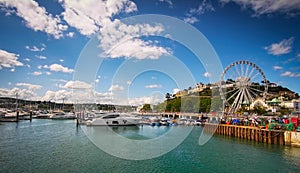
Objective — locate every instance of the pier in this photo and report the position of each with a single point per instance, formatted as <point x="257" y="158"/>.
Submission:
<point x="279" y="137"/>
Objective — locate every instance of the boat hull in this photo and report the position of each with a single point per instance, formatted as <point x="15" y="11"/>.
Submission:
<point x="119" y="121"/>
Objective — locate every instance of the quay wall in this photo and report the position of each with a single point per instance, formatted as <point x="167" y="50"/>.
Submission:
<point x="292" y="138"/>
<point x="251" y="133"/>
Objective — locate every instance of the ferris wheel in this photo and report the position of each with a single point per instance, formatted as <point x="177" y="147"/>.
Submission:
<point x="240" y="84"/>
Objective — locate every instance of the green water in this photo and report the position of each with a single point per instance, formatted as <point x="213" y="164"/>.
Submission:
<point x="58" y="146"/>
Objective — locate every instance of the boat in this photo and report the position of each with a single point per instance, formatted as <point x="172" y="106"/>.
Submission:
<point x="43" y="115"/>
<point x="62" y="116"/>
<point x="114" y="119"/>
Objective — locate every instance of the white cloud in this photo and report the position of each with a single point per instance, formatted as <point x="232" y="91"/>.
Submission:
<point x="97" y="80"/>
<point x="116" y="39"/>
<point x="89" y="15"/>
<point x="290" y="74"/>
<point x="283" y="47"/>
<point x="290" y="7"/>
<point x="139" y="49"/>
<point x="190" y="19"/>
<point x="203" y="7"/>
<point x="57" y="96"/>
<point x="168" y="2"/>
<point x="77" y="85"/>
<point x="61" y="60"/>
<point x="155" y="99"/>
<point x="120" y="40"/>
<point x="116" y="88"/>
<point x="207" y="74"/>
<point x="35" y="48"/>
<point x="37" y="73"/>
<point x="21" y="93"/>
<point x="27" y="59"/>
<point x="36" y="17"/>
<point x="153" y="86"/>
<point x="59" y="68"/>
<point x="41" y="57"/>
<point x="70" y="34"/>
<point x="9" y="60"/>
<point x="277" y="68"/>
<point x="31" y="87"/>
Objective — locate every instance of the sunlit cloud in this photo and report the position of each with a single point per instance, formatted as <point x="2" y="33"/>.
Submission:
<point x="9" y="60"/>
<point x="35" y="16"/>
<point x="58" y="68"/>
<point x="283" y="47"/>
<point x="277" y="68"/>
<point x="290" y="7"/>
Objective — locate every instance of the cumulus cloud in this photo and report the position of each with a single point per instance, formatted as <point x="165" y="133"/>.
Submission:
<point x="77" y="85"/>
<point x="121" y="40"/>
<point x="31" y="87"/>
<point x="20" y="93"/>
<point x="89" y="15"/>
<point x="290" y="7"/>
<point x="9" y="60"/>
<point x="35" y="16"/>
<point x="57" y="96"/>
<point x="283" y="47"/>
<point x="155" y="99"/>
<point x="116" y="88"/>
<point x="59" y="68"/>
<point x="139" y="49"/>
<point x="116" y="38"/>
<point x="153" y="86"/>
<point x="277" y="68"/>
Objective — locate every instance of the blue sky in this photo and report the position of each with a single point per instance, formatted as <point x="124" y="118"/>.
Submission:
<point x="45" y="43"/>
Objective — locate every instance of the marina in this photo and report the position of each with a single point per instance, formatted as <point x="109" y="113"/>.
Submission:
<point x="61" y="146"/>
<point x="159" y="86"/>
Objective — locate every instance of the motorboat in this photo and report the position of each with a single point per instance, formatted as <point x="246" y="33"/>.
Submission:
<point x="62" y="116"/>
<point x="115" y="119"/>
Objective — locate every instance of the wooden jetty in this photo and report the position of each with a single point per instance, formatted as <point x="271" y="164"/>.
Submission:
<point x="247" y="132"/>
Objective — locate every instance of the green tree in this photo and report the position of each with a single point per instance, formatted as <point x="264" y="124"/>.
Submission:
<point x="146" y="108"/>
<point x="259" y="110"/>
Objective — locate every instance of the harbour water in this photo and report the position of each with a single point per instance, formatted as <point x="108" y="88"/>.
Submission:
<point x="59" y="146"/>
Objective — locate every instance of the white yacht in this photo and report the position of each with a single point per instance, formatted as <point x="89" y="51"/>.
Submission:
<point x="62" y="115"/>
<point x="115" y="119"/>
